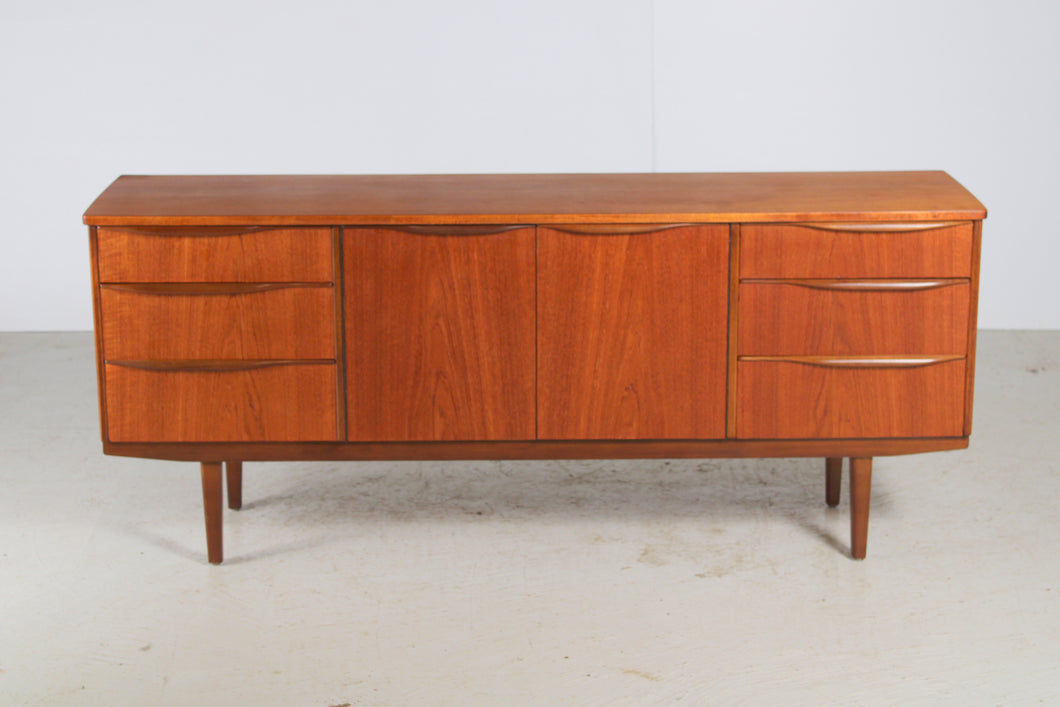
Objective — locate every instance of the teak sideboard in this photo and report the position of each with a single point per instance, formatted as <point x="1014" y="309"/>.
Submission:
<point x="257" y="318"/>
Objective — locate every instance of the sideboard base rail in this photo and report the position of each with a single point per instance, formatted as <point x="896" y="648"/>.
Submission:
<point x="213" y="500"/>
<point x="530" y="450"/>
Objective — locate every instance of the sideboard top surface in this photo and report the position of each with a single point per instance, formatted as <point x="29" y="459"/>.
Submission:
<point x="298" y="200"/>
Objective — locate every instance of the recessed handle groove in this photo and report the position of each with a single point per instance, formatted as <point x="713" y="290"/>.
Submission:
<point x="858" y="361"/>
<point x="217" y="365"/>
<point x="618" y="229"/>
<point x="863" y="285"/>
<point x="456" y="230"/>
<point x="203" y="231"/>
<point x="888" y="227"/>
<point x="206" y="288"/>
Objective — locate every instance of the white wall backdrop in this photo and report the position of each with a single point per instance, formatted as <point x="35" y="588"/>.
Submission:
<point x="91" y="91"/>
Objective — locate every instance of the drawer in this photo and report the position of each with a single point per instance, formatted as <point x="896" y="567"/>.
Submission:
<point x="276" y="403"/>
<point x="227" y="321"/>
<point x="215" y="255"/>
<point x="866" y="317"/>
<point x="799" y="400"/>
<point x="865" y="250"/>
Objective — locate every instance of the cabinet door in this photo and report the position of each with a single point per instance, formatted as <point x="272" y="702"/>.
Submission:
<point x="632" y="329"/>
<point x="439" y="333"/>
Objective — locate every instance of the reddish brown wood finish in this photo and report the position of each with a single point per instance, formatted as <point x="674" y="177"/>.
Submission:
<point x="531" y="449"/>
<point x="973" y="319"/>
<point x="532" y="198"/>
<point x="781" y="400"/>
<point x="860" y="493"/>
<point x="733" y="329"/>
<point x="340" y="333"/>
<point x="833" y="480"/>
<point x="213" y="511"/>
<point x="234" y="481"/>
<point x="426" y="329"/>
<point x="292" y="322"/>
<point x="215" y="255"/>
<point x="97" y="320"/>
<point x="274" y="404"/>
<point x="439" y="335"/>
<point x="631" y="334"/>
<point x="804" y="251"/>
<point x="793" y="319"/>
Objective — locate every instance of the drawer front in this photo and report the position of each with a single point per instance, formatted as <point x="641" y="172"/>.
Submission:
<point x="789" y="400"/>
<point x="215" y="255"/>
<point x="229" y="322"/>
<point x="282" y="403"/>
<point x="809" y="251"/>
<point x="853" y="318"/>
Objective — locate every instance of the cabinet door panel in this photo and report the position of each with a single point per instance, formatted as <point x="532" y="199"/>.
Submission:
<point x="439" y="334"/>
<point x="632" y="333"/>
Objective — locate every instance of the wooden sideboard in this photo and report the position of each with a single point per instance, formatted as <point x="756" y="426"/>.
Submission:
<point x="257" y="318"/>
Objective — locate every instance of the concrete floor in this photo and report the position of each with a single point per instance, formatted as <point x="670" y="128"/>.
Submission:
<point x="528" y="583"/>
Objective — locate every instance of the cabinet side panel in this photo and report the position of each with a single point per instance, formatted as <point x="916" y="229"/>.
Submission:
<point x="439" y="334"/>
<point x="973" y="324"/>
<point x="632" y="338"/>
<point x="97" y="317"/>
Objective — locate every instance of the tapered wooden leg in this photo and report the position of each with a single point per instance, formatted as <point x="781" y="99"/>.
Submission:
<point x="833" y="480"/>
<point x="211" y="503"/>
<point x="234" y="474"/>
<point x="860" y="490"/>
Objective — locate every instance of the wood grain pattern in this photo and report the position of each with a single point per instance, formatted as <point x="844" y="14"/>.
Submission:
<point x="439" y="335"/>
<point x="278" y="403"/>
<point x="788" y="319"/>
<point x="294" y="322"/>
<point x="631" y="334"/>
<point x="782" y="400"/>
<point x="799" y="251"/>
<point x="533" y="198"/>
<point x="224" y="255"/>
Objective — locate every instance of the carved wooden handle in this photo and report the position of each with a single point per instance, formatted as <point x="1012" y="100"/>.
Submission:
<point x="863" y="285"/>
<point x="881" y="227"/>
<point x="217" y="365"/>
<point x="858" y="361"/>
<point x="457" y="230"/>
<point x="603" y="229"/>
<point x="204" y="231"/>
<point x="206" y="288"/>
